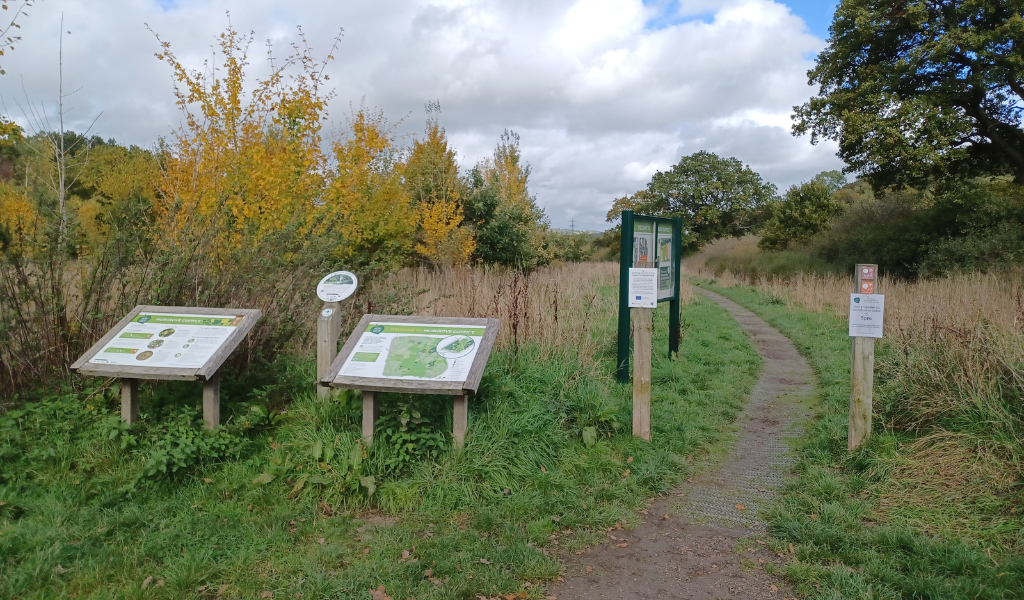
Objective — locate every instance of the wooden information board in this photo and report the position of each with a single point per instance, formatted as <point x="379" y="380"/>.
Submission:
<point x="418" y="355"/>
<point x="169" y="342"/>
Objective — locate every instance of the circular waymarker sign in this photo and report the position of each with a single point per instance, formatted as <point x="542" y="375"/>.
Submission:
<point x="337" y="286"/>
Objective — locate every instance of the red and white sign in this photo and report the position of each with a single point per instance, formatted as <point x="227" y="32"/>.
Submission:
<point x="867" y="273"/>
<point x="867" y="287"/>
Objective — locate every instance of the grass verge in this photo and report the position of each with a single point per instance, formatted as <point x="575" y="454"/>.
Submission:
<point x="285" y="502"/>
<point x="845" y="545"/>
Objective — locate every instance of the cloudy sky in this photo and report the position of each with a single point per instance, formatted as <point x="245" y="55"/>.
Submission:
<point x="602" y="92"/>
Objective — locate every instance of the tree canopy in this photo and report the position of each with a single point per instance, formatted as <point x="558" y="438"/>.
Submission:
<point x="715" y="197"/>
<point x="918" y="90"/>
<point x="806" y="209"/>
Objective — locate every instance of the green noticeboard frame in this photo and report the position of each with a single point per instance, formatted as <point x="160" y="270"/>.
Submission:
<point x="643" y="239"/>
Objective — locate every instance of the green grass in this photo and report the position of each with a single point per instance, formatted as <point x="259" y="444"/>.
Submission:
<point x="829" y="513"/>
<point x="279" y="501"/>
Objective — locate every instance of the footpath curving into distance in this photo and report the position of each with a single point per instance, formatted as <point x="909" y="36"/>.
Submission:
<point x="691" y="545"/>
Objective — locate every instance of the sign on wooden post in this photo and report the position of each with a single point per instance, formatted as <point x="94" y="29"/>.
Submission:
<point x="168" y="342"/>
<point x="867" y="309"/>
<point x="649" y="274"/>
<point x="416" y="355"/>
<point x="332" y="289"/>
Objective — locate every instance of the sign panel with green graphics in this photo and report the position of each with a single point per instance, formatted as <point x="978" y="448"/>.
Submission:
<point x="167" y="340"/>
<point x="414" y="354"/>
<point x="442" y="352"/>
<point x="648" y="243"/>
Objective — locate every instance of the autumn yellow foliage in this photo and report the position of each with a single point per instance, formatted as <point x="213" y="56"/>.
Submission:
<point x="244" y="164"/>
<point x="17" y="218"/>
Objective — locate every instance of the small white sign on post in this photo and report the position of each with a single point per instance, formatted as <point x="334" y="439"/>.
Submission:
<point x="337" y="286"/>
<point x="866" y="315"/>
<point x="643" y="288"/>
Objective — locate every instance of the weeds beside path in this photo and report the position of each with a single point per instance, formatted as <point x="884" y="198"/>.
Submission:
<point x="846" y="544"/>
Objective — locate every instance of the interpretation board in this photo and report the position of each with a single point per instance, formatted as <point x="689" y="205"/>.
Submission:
<point x="420" y="355"/>
<point x="653" y="243"/>
<point x="169" y="342"/>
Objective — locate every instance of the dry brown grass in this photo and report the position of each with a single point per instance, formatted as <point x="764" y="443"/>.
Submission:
<point x="557" y="306"/>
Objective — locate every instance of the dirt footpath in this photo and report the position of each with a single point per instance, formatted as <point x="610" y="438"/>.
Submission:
<point x="704" y="541"/>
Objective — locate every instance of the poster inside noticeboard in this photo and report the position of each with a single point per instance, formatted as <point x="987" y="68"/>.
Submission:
<point x="643" y="243"/>
<point x="666" y="270"/>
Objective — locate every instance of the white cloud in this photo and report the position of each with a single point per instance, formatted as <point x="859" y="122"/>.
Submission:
<point x="602" y="92"/>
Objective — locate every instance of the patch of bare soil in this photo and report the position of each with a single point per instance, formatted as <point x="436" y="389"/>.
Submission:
<point x="706" y="539"/>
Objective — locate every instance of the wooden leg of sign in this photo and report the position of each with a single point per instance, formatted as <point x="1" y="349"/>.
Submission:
<point x="327" y="331"/>
<point x="861" y="383"/>
<point x="643" y="325"/>
<point x="460" y="419"/>
<point x="129" y="400"/>
<point x="211" y="401"/>
<point x="369" y="416"/>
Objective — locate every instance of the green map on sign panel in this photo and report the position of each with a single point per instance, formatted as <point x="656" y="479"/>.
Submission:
<point x="414" y="356"/>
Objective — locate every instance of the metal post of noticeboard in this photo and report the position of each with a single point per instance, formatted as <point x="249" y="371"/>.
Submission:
<point x="625" y="262"/>
<point x="674" y="331"/>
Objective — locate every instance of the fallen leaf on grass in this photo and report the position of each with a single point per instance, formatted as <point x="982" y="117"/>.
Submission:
<point x="321" y="540"/>
<point x="428" y="573"/>
<point x="741" y="507"/>
<point x="366" y="550"/>
<point x="625" y="473"/>
<point x="623" y="545"/>
<point x="267" y="594"/>
<point x="630" y="459"/>
<point x="814" y="516"/>
<point x="773" y="588"/>
<point x="485" y="561"/>
<point x="159" y="583"/>
<point x="207" y="480"/>
<point x="689" y="480"/>
<point x="264" y="478"/>
<point x="542" y="469"/>
<point x="791" y="550"/>
<point x="222" y="589"/>
<point x="379" y="594"/>
<point x="147" y="581"/>
<point x="405" y="555"/>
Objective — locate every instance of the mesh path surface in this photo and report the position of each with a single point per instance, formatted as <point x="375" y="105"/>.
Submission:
<point x="690" y="545"/>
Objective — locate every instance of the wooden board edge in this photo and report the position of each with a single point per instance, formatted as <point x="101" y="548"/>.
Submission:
<point x="431" y="320"/>
<point x="109" y="335"/>
<point x="403" y="386"/>
<point x="350" y="345"/>
<point x="142" y="373"/>
<point x="483" y="354"/>
<point x="249" y="320"/>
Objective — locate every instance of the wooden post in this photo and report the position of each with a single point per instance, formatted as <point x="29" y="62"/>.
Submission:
<point x="328" y="328"/>
<point x="211" y="401"/>
<point x="129" y="400"/>
<point x="369" y="416"/>
<point x="862" y="371"/>
<point x="460" y="418"/>
<point x="643" y="326"/>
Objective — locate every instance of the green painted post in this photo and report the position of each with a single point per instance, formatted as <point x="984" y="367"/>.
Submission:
<point x="674" y="331"/>
<point x="625" y="262"/>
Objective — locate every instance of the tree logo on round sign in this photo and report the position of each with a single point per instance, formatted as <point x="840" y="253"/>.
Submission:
<point x="455" y="346"/>
<point x="337" y="286"/>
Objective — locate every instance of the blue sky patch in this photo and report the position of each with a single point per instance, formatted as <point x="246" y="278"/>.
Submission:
<point x="816" y="13"/>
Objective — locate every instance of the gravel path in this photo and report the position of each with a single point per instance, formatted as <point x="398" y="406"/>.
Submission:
<point x="702" y="541"/>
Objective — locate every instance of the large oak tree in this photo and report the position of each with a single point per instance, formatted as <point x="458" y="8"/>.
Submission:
<point x="919" y="90"/>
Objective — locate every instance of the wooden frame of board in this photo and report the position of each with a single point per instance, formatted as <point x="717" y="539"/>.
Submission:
<point x="460" y="390"/>
<point x="130" y="375"/>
